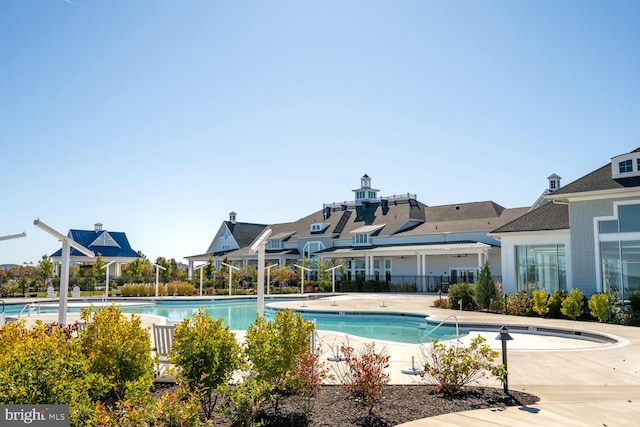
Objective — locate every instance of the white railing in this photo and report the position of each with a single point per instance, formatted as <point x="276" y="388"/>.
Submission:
<point x="32" y="308"/>
<point x="441" y="323"/>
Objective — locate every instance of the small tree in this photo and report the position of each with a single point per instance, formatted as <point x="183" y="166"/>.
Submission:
<point x="540" y="302"/>
<point x="45" y="268"/>
<point x="453" y="367"/>
<point x="573" y="304"/>
<point x="485" y="289"/>
<point x="206" y="353"/>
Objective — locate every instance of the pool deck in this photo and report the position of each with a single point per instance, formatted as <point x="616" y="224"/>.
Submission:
<point x="579" y="383"/>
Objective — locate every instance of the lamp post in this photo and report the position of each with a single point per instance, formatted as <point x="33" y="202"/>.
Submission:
<point x="158" y="267"/>
<point x="333" y="277"/>
<point x="504" y="337"/>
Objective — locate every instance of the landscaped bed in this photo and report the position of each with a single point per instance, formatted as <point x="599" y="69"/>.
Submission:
<point x="398" y="404"/>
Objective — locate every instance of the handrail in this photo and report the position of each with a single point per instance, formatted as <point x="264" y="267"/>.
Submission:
<point x="32" y="307"/>
<point x="2" y="301"/>
<point x="440" y="324"/>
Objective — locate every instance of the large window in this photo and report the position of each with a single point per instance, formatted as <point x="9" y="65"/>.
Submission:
<point x="620" y="250"/>
<point x="541" y="267"/>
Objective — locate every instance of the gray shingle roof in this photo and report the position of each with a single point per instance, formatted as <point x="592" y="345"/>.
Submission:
<point x="245" y="232"/>
<point x="550" y="216"/>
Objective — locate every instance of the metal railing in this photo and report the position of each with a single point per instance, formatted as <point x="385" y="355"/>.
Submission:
<point x="441" y="323"/>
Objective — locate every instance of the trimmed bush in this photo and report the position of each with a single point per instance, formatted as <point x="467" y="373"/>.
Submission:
<point x="540" y="302"/>
<point x="44" y="365"/>
<point x="274" y="348"/>
<point x="573" y="304"/>
<point x="117" y="348"/>
<point x="555" y="304"/>
<point x="600" y="306"/>
<point x="205" y="353"/>
<point x="519" y="304"/>
<point x="464" y="292"/>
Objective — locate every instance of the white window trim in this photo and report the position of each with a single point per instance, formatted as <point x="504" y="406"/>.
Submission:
<point x="609" y="237"/>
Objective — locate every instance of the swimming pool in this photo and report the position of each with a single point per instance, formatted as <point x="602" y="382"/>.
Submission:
<point x="240" y="313"/>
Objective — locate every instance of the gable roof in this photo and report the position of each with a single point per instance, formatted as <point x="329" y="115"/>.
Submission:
<point x="245" y="232"/>
<point x="110" y="244"/>
<point x="598" y="180"/>
<point x="549" y="216"/>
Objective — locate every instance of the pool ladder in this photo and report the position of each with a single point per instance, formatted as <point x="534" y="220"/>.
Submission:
<point x="32" y="308"/>
<point x="440" y="324"/>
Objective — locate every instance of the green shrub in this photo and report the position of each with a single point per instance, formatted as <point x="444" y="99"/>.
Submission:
<point x="600" y="306"/>
<point x="44" y="365"/>
<point x="498" y="304"/>
<point x="168" y="410"/>
<point x="363" y="374"/>
<point x="181" y="289"/>
<point x="540" y="302"/>
<point x="456" y="366"/>
<point x="519" y="304"/>
<point x="205" y="353"/>
<point x="573" y="304"/>
<point x="485" y="289"/>
<point x="275" y="347"/>
<point x="464" y="292"/>
<point x="555" y="303"/>
<point x="117" y="348"/>
<point x="244" y="401"/>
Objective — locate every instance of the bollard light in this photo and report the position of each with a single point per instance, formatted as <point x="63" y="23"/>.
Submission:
<point x="504" y="337"/>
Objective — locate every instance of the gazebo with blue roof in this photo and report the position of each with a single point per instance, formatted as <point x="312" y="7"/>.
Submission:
<point x="111" y="245"/>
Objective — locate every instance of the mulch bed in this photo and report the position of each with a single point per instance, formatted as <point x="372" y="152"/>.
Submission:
<point x="332" y="407"/>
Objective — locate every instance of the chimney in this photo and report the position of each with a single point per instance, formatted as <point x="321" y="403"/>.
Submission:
<point x="232" y="217"/>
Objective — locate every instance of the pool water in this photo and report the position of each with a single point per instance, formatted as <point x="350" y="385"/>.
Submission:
<point x="239" y="314"/>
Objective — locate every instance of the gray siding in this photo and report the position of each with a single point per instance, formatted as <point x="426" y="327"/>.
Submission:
<point x="583" y="247"/>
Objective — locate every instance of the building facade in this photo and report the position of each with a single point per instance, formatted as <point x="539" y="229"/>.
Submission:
<point x="395" y="239"/>
<point x="585" y="235"/>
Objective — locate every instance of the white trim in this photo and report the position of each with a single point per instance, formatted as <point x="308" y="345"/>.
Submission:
<point x="610" y="237"/>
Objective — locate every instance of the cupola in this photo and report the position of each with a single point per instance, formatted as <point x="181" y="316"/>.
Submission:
<point x="232" y="217"/>
<point x="554" y="182"/>
<point x="365" y="192"/>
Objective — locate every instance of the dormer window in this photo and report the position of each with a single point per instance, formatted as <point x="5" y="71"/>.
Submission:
<point x="626" y="166"/>
<point x="361" y="239"/>
<point x="274" y="244"/>
<point x="318" y="227"/>
<point x="623" y="166"/>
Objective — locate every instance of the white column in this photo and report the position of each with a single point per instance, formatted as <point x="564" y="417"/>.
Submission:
<point x="190" y="269"/>
<point x="366" y="266"/>
<point x="261" y="257"/>
<point x="480" y="259"/>
<point x="64" y="283"/>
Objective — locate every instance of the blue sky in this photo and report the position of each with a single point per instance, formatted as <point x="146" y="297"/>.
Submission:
<point x="158" y="118"/>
